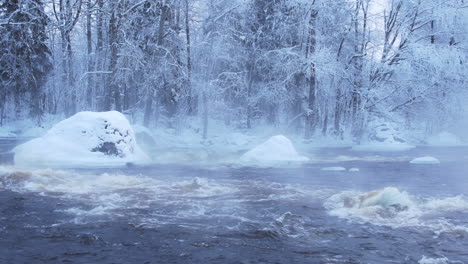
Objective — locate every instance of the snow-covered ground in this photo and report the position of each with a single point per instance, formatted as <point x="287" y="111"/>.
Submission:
<point x="26" y="128"/>
<point x="224" y="144"/>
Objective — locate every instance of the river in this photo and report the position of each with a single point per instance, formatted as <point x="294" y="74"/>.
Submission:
<point x="221" y="213"/>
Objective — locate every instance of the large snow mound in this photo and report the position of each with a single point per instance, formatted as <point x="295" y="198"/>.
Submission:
<point x="425" y="160"/>
<point x="276" y="149"/>
<point x="85" y="139"/>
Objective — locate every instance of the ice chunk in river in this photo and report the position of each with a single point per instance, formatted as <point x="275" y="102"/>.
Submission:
<point x="425" y="160"/>
<point x="276" y="149"/>
<point x="333" y="169"/>
<point x="85" y="139"/>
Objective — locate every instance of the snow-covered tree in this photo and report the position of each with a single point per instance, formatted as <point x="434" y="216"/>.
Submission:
<point x="24" y="55"/>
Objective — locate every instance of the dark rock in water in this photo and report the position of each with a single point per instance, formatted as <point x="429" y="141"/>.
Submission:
<point x="130" y="164"/>
<point x="90" y="240"/>
<point x="108" y="148"/>
<point x="399" y="207"/>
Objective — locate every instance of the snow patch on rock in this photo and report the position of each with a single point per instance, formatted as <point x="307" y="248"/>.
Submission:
<point x="276" y="149"/>
<point x="354" y="169"/>
<point x="85" y="139"/>
<point x="428" y="160"/>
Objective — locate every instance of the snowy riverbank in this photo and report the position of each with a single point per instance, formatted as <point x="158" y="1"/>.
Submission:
<point x="225" y="145"/>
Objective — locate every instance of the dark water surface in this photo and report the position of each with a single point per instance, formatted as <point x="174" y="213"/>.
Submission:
<point x="230" y="214"/>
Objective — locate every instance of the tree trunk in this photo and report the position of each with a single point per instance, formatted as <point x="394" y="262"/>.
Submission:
<point x="190" y="100"/>
<point x="432" y="32"/>
<point x="71" y="78"/>
<point x="249" y="94"/>
<point x="311" y="114"/>
<point x="205" y="116"/>
<point x="90" y="86"/>
<point x="99" y="80"/>
<point x="149" y="95"/>
<point x="113" y="90"/>
<point x="148" y="109"/>
<point x="336" y="124"/>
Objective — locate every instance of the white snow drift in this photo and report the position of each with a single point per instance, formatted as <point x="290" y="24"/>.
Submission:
<point x="427" y="160"/>
<point x="276" y="149"/>
<point x="85" y="139"/>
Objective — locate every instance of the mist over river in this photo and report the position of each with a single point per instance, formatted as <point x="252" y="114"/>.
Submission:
<point x="232" y="214"/>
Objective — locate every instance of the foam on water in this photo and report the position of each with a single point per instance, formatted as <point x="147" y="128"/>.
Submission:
<point x="395" y="208"/>
<point x="426" y="260"/>
<point x="198" y="201"/>
<point x="151" y="201"/>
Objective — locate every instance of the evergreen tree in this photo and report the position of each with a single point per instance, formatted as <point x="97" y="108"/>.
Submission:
<point x="25" y="57"/>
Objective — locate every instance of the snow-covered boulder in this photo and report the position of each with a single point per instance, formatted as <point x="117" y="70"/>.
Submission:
<point x="427" y="160"/>
<point x="277" y="149"/>
<point x="85" y="139"/>
<point x="353" y="170"/>
<point x="444" y="139"/>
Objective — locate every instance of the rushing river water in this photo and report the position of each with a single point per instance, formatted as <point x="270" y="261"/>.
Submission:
<point x="231" y="214"/>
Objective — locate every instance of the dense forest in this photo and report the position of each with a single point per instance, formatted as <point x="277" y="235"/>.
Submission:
<point x="329" y="67"/>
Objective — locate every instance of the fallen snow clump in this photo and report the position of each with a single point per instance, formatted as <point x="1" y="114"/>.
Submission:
<point x="85" y="139"/>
